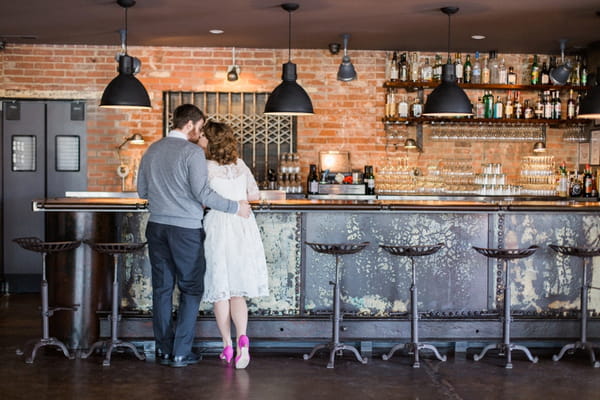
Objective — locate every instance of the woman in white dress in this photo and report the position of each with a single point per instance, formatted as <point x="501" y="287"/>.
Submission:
<point x="235" y="257"/>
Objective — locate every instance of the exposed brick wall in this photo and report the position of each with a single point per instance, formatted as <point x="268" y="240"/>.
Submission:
<point x="348" y="114"/>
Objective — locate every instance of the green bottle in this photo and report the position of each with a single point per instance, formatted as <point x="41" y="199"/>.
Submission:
<point x="535" y="71"/>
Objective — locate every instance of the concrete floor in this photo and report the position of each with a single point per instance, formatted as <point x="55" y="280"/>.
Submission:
<point x="276" y="376"/>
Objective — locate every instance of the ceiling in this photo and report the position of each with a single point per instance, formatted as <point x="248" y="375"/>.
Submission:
<point x="510" y="26"/>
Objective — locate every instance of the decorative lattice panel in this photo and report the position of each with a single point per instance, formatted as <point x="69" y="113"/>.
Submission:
<point x="262" y="137"/>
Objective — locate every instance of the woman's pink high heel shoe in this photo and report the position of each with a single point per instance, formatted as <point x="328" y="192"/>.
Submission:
<point x="243" y="359"/>
<point x="227" y="354"/>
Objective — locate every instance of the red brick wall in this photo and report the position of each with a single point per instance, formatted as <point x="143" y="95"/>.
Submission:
<point x="347" y="114"/>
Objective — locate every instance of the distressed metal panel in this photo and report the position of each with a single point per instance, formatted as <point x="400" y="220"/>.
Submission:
<point x="375" y="283"/>
<point x="548" y="281"/>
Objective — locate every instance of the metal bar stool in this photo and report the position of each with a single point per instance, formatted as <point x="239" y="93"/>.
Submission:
<point x="114" y="249"/>
<point x="585" y="254"/>
<point x="335" y="347"/>
<point x="414" y="346"/>
<point x="506" y="347"/>
<point x="45" y="248"/>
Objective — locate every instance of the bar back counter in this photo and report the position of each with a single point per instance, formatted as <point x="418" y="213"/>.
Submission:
<point x="460" y="291"/>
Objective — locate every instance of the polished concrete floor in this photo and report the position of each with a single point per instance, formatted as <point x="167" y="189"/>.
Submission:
<point x="275" y="376"/>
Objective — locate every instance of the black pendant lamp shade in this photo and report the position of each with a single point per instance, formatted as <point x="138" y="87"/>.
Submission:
<point x="590" y="104"/>
<point x="346" y="72"/>
<point x="126" y="91"/>
<point x="289" y="98"/>
<point x="448" y="99"/>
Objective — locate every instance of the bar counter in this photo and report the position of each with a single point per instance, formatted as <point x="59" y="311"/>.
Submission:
<point x="459" y="289"/>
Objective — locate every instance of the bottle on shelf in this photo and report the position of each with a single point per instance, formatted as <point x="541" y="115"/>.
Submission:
<point x="437" y="68"/>
<point x="547" y="105"/>
<point x="583" y="80"/>
<point x="467" y="70"/>
<point x="545" y="74"/>
<point x="479" y="108"/>
<point x="458" y="68"/>
<point x="528" y="111"/>
<point x="476" y="71"/>
<point x="427" y="71"/>
<point x="369" y="179"/>
<point x="511" y="77"/>
<point x="517" y="106"/>
<point x="502" y="73"/>
<point x="402" y="108"/>
<point x="312" y="185"/>
<point x="557" y="106"/>
<point x="485" y="71"/>
<point x="394" y="73"/>
<point x="403" y="68"/>
<point x="563" y="180"/>
<point x="390" y="104"/>
<point x="271" y="179"/>
<point x="508" y="108"/>
<point x="588" y="182"/>
<point x="494" y="68"/>
<point x="414" y="67"/>
<point x="571" y="106"/>
<point x="575" y="186"/>
<point x="488" y="102"/>
<point x="535" y="71"/>
<point x="416" y="108"/>
<point x="498" y="108"/>
<point x="538" y="111"/>
<point x="575" y="77"/>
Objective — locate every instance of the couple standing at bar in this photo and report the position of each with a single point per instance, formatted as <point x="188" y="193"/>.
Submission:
<point x="221" y="259"/>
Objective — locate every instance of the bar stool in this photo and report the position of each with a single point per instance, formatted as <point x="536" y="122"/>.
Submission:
<point x="114" y="249"/>
<point x="414" y="346"/>
<point x="585" y="254"/>
<point x="335" y="346"/>
<point x="45" y="248"/>
<point x="506" y="347"/>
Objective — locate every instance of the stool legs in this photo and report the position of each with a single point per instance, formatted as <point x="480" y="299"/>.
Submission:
<point x="46" y="312"/>
<point x="414" y="346"/>
<point x="114" y="342"/>
<point x="335" y="347"/>
<point x="506" y="347"/>
<point x="582" y="343"/>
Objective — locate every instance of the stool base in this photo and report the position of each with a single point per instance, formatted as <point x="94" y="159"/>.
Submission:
<point x="504" y="348"/>
<point x="51" y="341"/>
<point x="112" y="345"/>
<point x="414" y="348"/>
<point x="571" y="347"/>
<point x="333" y="349"/>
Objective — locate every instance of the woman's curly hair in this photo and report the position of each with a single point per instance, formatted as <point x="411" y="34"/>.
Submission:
<point x="222" y="143"/>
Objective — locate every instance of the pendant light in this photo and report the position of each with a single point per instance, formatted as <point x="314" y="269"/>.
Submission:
<point x="560" y="75"/>
<point x="346" y="72"/>
<point x="289" y="98"/>
<point x="233" y="72"/>
<point x="126" y="91"/>
<point x="590" y="104"/>
<point x="448" y="99"/>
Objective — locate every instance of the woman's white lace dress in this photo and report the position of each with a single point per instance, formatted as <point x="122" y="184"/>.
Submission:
<point x="235" y="257"/>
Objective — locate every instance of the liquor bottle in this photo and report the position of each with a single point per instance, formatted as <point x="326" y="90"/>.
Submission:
<point x="485" y="71"/>
<point x="468" y="70"/>
<point x="584" y="75"/>
<point x="402" y="108"/>
<point x="502" y="73"/>
<point x="535" y="71"/>
<point x="476" y="72"/>
<point x="528" y="111"/>
<point x="488" y="101"/>
<point x="557" y="114"/>
<point x="394" y="68"/>
<point x="369" y="179"/>
<point x="312" y="185"/>
<point x="545" y="74"/>
<point x="547" y="105"/>
<point x="416" y="108"/>
<point x="458" y="68"/>
<point x="414" y="67"/>
<point x="571" y="106"/>
<point x="494" y="68"/>
<point x="518" y="108"/>
<point x="508" y="108"/>
<point x="403" y="68"/>
<point x="426" y="71"/>
<point x="498" y="108"/>
<point x="588" y="182"/>
<point x="437" y="68"/>
<point x="479" y="108"/>
<point x="539" y="107"/>
<point x="576" y="187"/>
<point x="390" y="104"/>
<point x="511" y="77"/>
<point x="576" y="72"/>
<point x="271" y="179"/>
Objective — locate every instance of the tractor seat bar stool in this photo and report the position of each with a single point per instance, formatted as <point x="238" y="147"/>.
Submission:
<point x="414" y="346"/>
<point x="585" y="254"/>
<point x="506" y="347"/>
<point x="335" y="347"/>
<point x="45" y="248"/>
<point x="114" y="249"/>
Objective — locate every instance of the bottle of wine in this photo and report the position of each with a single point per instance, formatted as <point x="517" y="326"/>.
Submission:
<point x="312" y="186"/>
<point x="545" y="74"/>
<point x="394" y="68"/>
<point x="369" y="179"/>
<point x="458" y="68"/>
<point x="588" y="182"/>
<point x="468" y="70"/>
<point x="571" y="106"/>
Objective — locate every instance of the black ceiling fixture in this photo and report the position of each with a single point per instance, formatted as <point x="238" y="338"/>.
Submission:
<point x="289" y="98"/>
<point x="126" y="91"/>
<point x="346" y="72"/>
<point x="448" y="99"/>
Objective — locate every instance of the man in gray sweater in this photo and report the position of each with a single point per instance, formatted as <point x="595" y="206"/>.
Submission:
<point x="173" y="177"/>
